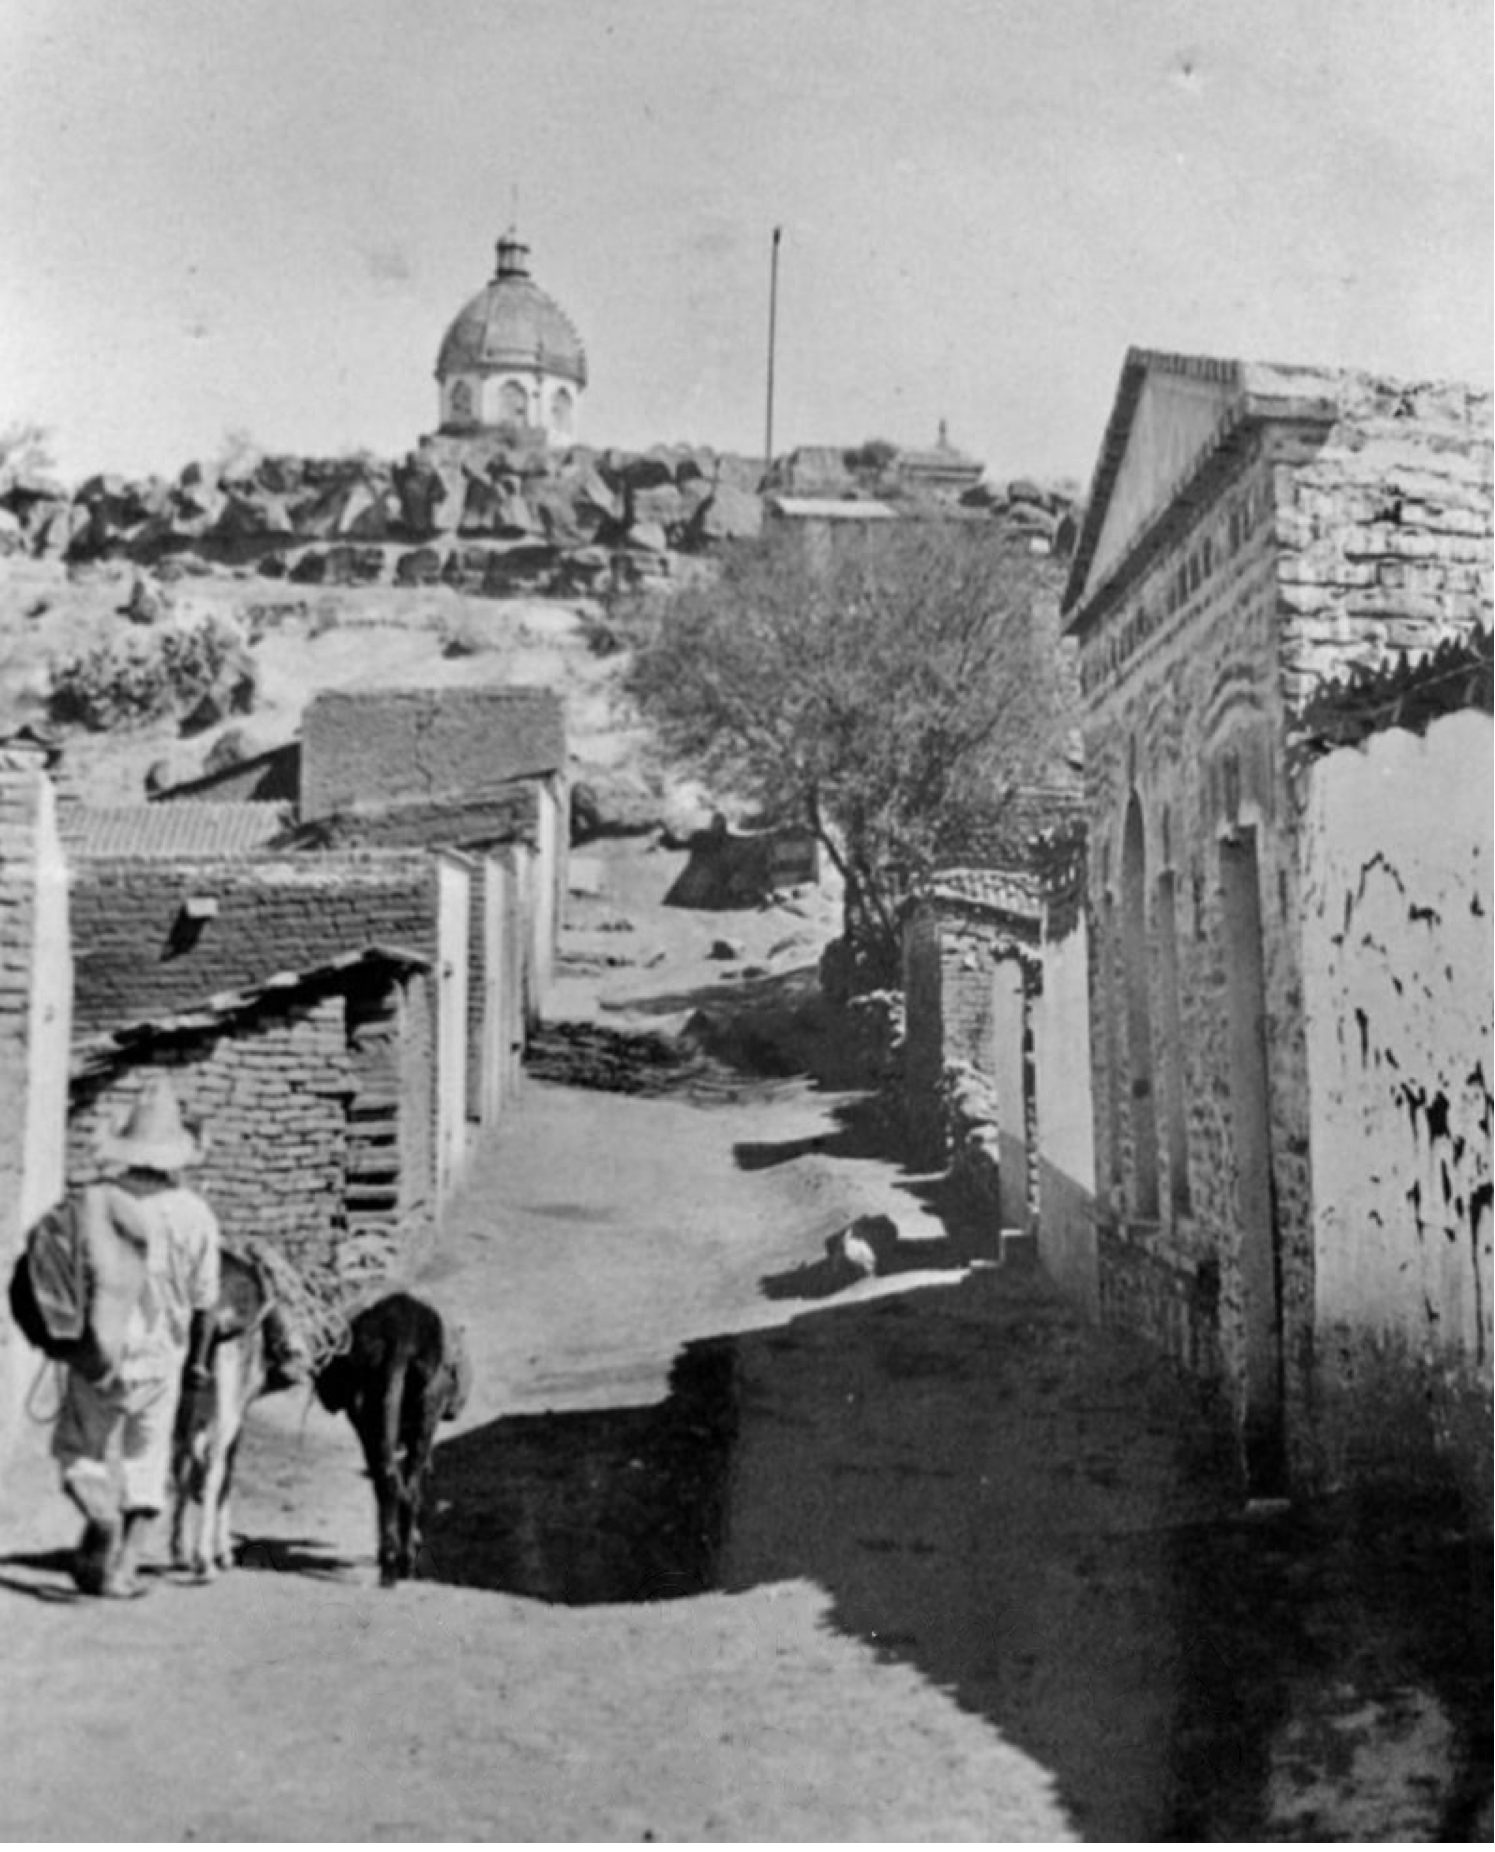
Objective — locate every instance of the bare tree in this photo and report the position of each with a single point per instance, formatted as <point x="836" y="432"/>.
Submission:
<point x="892" y="691"/>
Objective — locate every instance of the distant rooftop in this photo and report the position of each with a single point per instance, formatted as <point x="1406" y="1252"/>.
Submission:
<point x="824" y="508"/>
<point x="172" y="832"/>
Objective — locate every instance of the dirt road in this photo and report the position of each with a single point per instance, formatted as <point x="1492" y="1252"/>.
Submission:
<point x="722" y="1553"/>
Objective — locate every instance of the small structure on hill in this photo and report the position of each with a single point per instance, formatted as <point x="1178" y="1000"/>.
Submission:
<point x="943" y="473"/>
<point x="512" y="362"/>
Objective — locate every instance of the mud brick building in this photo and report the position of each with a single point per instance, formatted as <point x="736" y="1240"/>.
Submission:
<point x="316" y="1089"/>
<point x="315" y="1006"/>
<point x="467" y="768"/>
<point x="1291" y="970"/>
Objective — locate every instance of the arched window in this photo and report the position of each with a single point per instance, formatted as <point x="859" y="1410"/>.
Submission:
<point x="513" y="403"/>
<point x="460" y="402"/>
<point x="561" y="408"/>
<point x="1135" y="961"/>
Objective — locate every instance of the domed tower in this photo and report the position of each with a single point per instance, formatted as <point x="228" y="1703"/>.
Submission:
<point x="512" y="359"/>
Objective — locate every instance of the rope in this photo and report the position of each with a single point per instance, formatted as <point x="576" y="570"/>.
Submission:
<point x="317" y="1303"/>
<point x="42" y="1369"/>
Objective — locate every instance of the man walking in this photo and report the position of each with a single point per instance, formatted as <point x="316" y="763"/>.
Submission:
<point x="168" y="1325"/>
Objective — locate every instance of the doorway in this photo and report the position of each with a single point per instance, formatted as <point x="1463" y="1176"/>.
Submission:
<point x="1264" y="1436"/>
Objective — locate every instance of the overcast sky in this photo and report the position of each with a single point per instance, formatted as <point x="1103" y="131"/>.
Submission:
<point x="260" y="215"/>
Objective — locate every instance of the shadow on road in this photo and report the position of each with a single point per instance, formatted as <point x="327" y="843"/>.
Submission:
<point x="1044" y="1524"/>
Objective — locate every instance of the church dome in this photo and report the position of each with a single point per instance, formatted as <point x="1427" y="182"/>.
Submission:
<point x="513" y="325"/>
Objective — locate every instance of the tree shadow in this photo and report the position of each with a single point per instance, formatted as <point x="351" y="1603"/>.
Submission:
<point x="861" y="1132"/>
<point x="1034" y="1515"/>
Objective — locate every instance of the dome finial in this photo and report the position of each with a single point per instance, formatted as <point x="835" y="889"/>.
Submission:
<point x="513" y="256"/>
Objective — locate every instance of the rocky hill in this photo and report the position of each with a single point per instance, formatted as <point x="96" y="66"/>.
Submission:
<point x="497" y="518"/>
<point x="165" y="629"/>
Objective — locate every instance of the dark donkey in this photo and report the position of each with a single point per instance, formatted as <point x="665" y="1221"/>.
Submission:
<point x="404" y="1370"/>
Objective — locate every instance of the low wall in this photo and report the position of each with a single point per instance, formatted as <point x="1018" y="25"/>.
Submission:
<point x="35" y="1007"/>
<point x="1398" y="1005"/>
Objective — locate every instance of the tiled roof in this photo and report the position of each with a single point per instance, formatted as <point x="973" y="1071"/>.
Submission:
<point x="997" y="890"/>
<point x="101" y="1051"/>
<point x="172" y="832"/>
<point x="824" y="508"/>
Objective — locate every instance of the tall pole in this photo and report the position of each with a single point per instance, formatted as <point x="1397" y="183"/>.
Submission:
<point x="773" y="308"/>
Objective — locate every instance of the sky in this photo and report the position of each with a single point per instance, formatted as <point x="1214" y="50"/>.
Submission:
<point x="257" y="217"/>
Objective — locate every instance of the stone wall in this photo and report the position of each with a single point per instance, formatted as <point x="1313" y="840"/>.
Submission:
<point x="138" y="954"/>
<point x="1399" y="1004"/>
<point x="996" y="1078"/>
<point x="1303" y="548"/>
<point x="361" y="749"/>
<point x="1185" y="741"/>
<point x="1383" y="530"/>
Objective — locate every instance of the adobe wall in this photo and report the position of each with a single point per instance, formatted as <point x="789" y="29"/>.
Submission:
<point x="455" y="876"/>
<point x="35" y="1005"/>
<point x="510" y="814"/>
<point x="377" y="748"/>
<point x="1399" y="1004"/>
<point x="136" y="957"/>
<point x="1060" y="1015"/>
<point x="273" y="1090"/>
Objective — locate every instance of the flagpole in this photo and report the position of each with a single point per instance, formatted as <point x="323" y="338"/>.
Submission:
<point x="773" y="305"/>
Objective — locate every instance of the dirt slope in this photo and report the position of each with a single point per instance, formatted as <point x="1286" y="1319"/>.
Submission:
<point x="304" y="639"/>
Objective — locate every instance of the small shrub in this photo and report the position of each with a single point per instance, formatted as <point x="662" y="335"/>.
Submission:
<point x="142" y="679"/>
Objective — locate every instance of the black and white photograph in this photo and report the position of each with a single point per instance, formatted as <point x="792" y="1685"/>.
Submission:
<point x="747" y="988"/>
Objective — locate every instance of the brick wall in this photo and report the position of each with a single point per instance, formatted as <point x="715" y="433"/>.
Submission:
<point x="136" y="957"/>
<point x="319" y="1107"/>
<point x="378" y="748"/>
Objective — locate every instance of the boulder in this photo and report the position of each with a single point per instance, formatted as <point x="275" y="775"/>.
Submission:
<point x="230" y="748"/>
<point x="430" y="497"/>
<point x="144" y="605"/>
<point x="234" y="691"/>
<point x="663" y="507"/>
<point x="638" y="472"/>
<point x="647" y="537"/>
<point x="591" y="497"/>
<point x="731" y="514"/>
<point x="418" y="566"/>
<point x="352" y="507"/>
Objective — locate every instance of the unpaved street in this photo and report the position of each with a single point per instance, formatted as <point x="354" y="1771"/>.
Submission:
<point x="726" y="1549"/>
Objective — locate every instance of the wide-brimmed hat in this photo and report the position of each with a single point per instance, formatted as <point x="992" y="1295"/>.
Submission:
<point x="154" y="1135"/>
